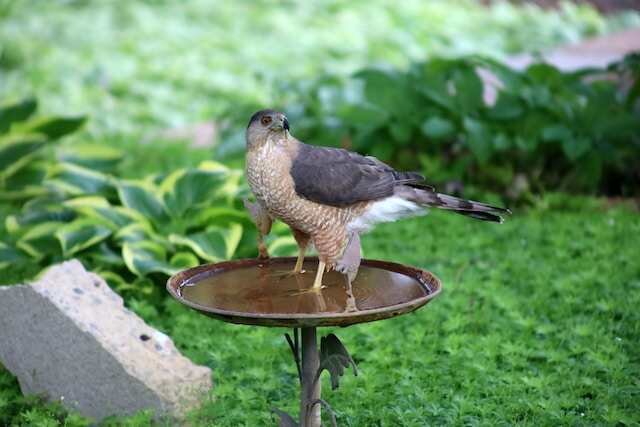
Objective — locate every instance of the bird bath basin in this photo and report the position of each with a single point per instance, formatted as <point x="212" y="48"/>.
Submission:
<point x="257" y="292"/>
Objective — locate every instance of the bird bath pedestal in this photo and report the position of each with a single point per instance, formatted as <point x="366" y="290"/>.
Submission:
<point x="260" y="293"/>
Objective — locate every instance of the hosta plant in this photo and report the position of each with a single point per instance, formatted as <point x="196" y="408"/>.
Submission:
<point x="24" y="142"/>
<point x="132" y="232"/>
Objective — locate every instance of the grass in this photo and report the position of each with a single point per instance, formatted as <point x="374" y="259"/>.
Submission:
<point x="537" y="325"/>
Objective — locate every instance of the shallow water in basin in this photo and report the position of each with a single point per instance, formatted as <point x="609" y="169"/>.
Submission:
<point x="267" y="289"/>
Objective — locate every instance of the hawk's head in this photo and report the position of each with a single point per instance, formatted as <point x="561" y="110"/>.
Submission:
<point x="264" y="122"/>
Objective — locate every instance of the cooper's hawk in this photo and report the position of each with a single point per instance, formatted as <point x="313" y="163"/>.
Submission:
<point x="329" y="196"/>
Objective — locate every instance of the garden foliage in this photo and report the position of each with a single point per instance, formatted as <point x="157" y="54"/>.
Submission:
<point x="521" y="337"/>
<point x="144" y="64"/>
<point x="577" y="131"/>
<point x="22" y="142"/>
<point x="126" y="230"/>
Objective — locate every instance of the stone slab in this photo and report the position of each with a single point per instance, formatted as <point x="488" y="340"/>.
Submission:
<point x="69" y="337"/>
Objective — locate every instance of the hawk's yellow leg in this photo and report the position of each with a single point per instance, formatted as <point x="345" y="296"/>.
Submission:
<point x="297" y="269"/>
<point x="300" y="260"/>
<point x="317" y="283"/>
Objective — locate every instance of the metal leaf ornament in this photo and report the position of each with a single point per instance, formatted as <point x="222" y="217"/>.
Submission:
<point x="334" y="357"/>
<point x="286" y="420"/>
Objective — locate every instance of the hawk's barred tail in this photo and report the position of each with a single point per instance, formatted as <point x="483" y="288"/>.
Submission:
<point x="484" y="216"/>
<point x="469" y="208"/>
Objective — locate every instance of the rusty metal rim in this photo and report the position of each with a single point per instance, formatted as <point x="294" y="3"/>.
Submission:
<point x="430" y="282"/>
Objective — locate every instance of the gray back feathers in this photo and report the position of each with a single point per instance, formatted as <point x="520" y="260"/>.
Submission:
<point x="338" y="177"/>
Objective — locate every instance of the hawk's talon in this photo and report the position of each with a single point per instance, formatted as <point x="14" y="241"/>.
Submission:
<point x="283" y="274"/>
<point x="350" y="305"/>
<point x="308" y="291"/>
<point x="263" y="252"/>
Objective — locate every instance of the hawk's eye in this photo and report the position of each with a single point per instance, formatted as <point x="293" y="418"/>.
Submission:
<point x="266" y="120"/>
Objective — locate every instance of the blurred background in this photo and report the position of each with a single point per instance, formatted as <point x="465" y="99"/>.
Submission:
<point x="122" y="144"/>
<point x="194" y="71"/>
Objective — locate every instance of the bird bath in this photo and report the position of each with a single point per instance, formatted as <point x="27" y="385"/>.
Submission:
<point x="257" y="292"/>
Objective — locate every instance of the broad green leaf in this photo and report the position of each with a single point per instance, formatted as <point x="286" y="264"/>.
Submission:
<point x="401" y="131"/>
<point x="279" y="228"/>
<point x="380" y="87"/>
<point x="544" y="73"/>
<point x="468" y="88"/>
<point x="507" y="107"/>
<point x="214" y="244"/>
<point x="53" y="127"/>
<point x="144" y="286"/>
<point x="247" y="246"/>
<point x="23" y="193"/>
<point x="94" y="156"/>
<point x="283" y="246"/>
<point x="16" y="112"/>
<point x="81" y="234"/>
<point x="134" y="232"/>
<point x="9" y="255"/>
<point x="213" y="166"/>
<point x="232" y="181"/>
<point x="363" y="115"/>
<point x="78" y="181"/>
<point x="17" y="152"/>
<point x="115" y="217"/>
<point x="501" y="142"/>
<point x="16" y="223"/>
<point x="87" y="201"/>
<point x="45" y="202"/>
<point x="145" y="257"/>
<point x="387" y="90"/>
<point x="438" y="127"/>
<point x="115" y="280"/>
<point x="25" y="182"/>
<point x="221" y="217"/>
<point x="556" y="132"/>
<point x="381" y="151"/>
<point x="432" y="81"/>
<point x="188" y="189"/>
<point x="184" y="260"/>
<point x="103" y="255"/>
<point x="478" y="139"/>
<point x="143" y="198"/>
<point x="39" y="241"/>
<point x="506" y="75"/>
<point x="575" y="147"/>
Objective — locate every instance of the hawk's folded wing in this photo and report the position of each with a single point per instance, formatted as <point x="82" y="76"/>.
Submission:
<point x="338" y="177"/>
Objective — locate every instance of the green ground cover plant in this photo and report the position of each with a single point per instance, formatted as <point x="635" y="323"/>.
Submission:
<point x="537" y="325"/>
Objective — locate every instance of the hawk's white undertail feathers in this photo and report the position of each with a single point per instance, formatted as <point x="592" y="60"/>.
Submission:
<point x="386" y="210"/>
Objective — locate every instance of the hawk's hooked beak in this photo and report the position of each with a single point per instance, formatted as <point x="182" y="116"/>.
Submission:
<point x="285" y="124"/>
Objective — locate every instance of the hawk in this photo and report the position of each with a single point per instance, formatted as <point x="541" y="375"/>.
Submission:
<point x="329" y="196"/>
